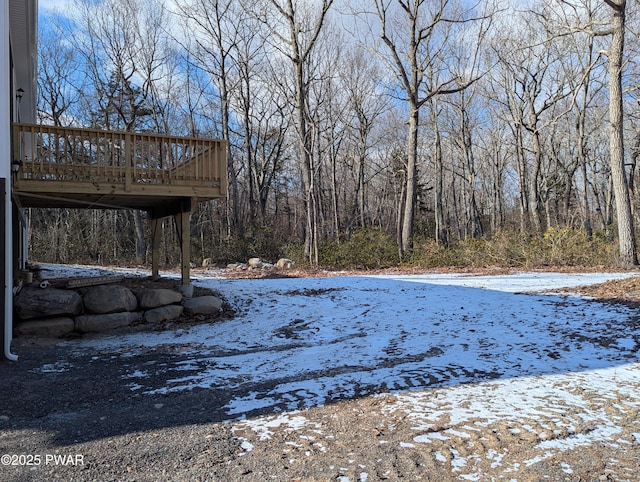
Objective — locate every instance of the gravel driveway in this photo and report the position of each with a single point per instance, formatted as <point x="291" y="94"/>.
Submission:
<point x="72" y="415"/>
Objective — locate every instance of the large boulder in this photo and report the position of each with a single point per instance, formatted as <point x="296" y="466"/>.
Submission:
<point x="52" y="327"/>
<point x="285" y="263"/>
<point x="158" y="297"/>
<point x="203" y="305"/>
<point x="254" y="263"/>
<point x="163" y="313"/>
<point x="47" y="303"/>
<point x="104" y="322"/>
<point x="109" y="299"/>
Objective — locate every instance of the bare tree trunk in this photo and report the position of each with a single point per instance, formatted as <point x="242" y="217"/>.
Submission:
<point x="410" y="191"/>
<point x="582" y="154"/>
<point x="534" y="182"/>
<point x="141" y="244"/>
<point x="361" y="195"/>
<point x="442" y="230"/>
<point x="473" y="221"/>
<point x="523" y="178"/>
<point x="304" y="151"/>
<point x="582" y="143"/>
<point x="497" y="212"/>
<point x="302" y="33"/>
<point x="626" y="235"/>
<point x="409" y="63"/>
<point x="400" y="201"/>
<point x="334" y="194"/>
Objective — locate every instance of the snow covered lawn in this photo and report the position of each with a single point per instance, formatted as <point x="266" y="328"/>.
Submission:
<point x="451" y="354"/>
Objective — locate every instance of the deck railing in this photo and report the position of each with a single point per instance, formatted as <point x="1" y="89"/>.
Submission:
<point x="64" y="154"/>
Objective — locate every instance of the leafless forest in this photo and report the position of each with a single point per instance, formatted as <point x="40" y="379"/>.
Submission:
<point x="416" y="124"/>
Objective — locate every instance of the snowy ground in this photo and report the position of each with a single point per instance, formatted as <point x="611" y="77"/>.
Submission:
<point x="450" y="354"/>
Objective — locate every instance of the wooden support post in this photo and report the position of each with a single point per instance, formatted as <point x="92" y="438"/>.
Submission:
<point x="156" y="237"/>
<point x="184" y="235"/>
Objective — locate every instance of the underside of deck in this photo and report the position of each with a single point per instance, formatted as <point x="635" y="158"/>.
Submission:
<point x="158" y="201"/>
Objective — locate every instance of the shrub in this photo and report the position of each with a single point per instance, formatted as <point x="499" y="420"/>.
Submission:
<point x="261" y="243"/>
<point x="503" y="249"/>
<point x="429" y="254"/>
<point x="572" y="247"/>
<point x="367" y="248"/>
<point x="557" y="247"/>
<point x="372" y="248"/>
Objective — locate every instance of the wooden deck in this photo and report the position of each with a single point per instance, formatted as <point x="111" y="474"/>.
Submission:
<point x="62" y="167"/>
<point x="90" y="168"/>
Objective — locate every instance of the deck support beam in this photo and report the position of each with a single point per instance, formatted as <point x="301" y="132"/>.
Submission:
<point x="184" y="235"/>
<point x="181" y="213"/>
<point x="156" y="238"/>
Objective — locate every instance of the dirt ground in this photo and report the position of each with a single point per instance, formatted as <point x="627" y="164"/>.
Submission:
<point x="87" y="425"/>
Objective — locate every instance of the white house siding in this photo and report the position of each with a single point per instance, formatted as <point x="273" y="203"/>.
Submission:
<point x="18" y="24"/>
<point x="5" y="173"/>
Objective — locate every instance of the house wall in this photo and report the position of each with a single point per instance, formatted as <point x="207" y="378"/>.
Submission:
<point x="18" y="53"/>
<point x="5" y="179"/>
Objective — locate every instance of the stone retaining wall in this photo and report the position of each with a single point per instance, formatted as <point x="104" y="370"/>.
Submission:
<point x="57" y="312"/>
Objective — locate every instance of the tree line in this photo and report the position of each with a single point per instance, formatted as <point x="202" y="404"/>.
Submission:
<point x="444" y="120"/>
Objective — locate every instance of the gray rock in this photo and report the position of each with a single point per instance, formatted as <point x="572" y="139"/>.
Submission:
<point x="186" y="290"/>
<point x="284" y="263"/>
<point x="46" y="303"/>
<point x="254" y="263"/>
<point x="158" y="297"/>
<point x="202" y="305"/>
<point x="237" y="266"/>
<point x="109" y="299"/>
<point x="104" y="322"/>
<point x="163" y="313"/>
<point x="51" y="327"/>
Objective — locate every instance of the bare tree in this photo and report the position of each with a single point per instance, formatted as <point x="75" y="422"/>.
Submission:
<point x="467" y="60"/>
<point x="414" y="32"/>
<point x="264" y="124"/>
<point x="536" y="87"/>
<point x="582" y="76"/>
<point x="295" y="28"/>
<point x="211" y="30"/>
<point x="626" y="234"/>
<point x="123" y="58"/>
<point x="592" y="27"/>
<point x="58" y="87"/>
<point x="360" y="80"/>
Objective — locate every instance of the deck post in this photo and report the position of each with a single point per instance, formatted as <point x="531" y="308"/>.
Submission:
<point x="184" y="235"/>
<point x="156" y="237"/>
